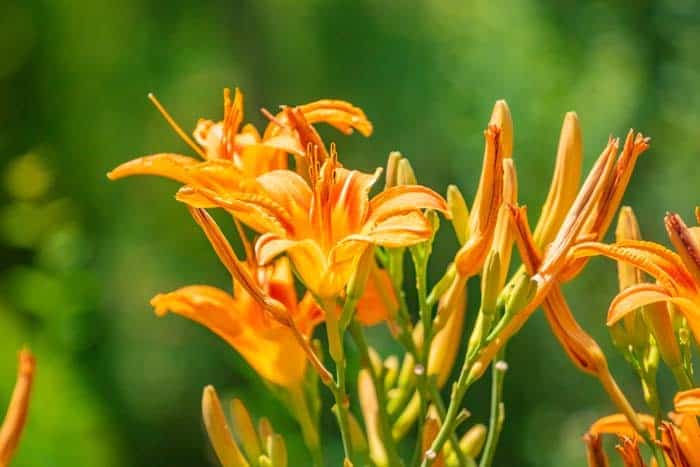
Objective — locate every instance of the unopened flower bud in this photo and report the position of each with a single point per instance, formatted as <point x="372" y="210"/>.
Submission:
<point x="460" y="213"/>
<point x="218" y="431"/>
<point x="405" y="174"/>
<point x="392" y="166"/>
<point x="245" y="430"/>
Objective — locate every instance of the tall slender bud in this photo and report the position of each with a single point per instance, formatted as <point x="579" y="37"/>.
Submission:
<point x="405" y="174"/>
<point x="565" y="181"/>
<point x="219" y="434"/>
<point x="460" y="213"/>
<point x="392" y="166"/>
<point x="685" y="242"/>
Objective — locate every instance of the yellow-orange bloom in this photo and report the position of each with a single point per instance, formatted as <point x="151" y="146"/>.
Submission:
<point x="16" y="415"/>
<point x="680" y="437"/>
<point x="676" y="281"/>
<point x="234" y="155"/>
<point x="325" y="225"/>
<point x="244" y="319"/>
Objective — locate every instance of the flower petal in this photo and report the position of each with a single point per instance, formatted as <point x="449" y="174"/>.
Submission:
<point x="633" y="298"/>
<point x="617" y="424"/>
<point x="349" y="200"/>
<point x="404" y="198"/>
<point x="16" y="415"/>
<point x="687" y="402"/>
<point x="172" y="166"/>
<point x="306" y="255"/>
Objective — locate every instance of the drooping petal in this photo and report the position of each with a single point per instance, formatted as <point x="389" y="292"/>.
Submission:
<point x="257" y="211"/>
<point x="340" y="114"/>
<point x="633" y="298"/>
<point x="405" y="198"/>
<point x="687" y="402"/>
<point x="393" y="232"/>
<point x="271" y="350"/>
<point x="617" y="424"/>
<point x="172" y="166"/>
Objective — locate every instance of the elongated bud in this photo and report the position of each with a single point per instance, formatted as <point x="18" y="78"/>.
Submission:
<point x="391" y="371"/>
<point x="565" y="182"/>
<point x="490" y="283"/>
<point x="501" y="118"/>
<point x="627" y="229"/>
<point x="245" y="430"/>
<point x="370" y="414"/>
<point x="504" y="235"/>
<point x="431" y="427"/>
<point x="460" y="213"/>
<point x="685" y="243"/>
<point x="632" y="331"/>
<point x="659" y="319"/>
<point x="217" y="429"/>
<point x="473" y="440"/>
<point x="451" y="310"/>
<point x="392" y="166"/>
<point x="276" y="450"/>
<point x="405" y="174"/>
<point x="521" y="295"/>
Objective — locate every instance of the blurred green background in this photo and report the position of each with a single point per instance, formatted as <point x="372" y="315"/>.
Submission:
<point x="81" y="256"/>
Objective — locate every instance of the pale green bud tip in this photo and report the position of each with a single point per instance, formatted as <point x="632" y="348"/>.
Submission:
<point x="490" y="283"/>
<point x="392" y="168"/>
<point x="405" y="174"/>
<point x="460" y="213"/>
<point x="523" y="292"/>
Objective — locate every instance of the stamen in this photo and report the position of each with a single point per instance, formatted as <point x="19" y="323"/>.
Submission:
<point x="168" y="118"/>
<point x="272" y="118"/>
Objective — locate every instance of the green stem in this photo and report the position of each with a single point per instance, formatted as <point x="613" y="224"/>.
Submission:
<point x="358" y="335"/>
<point x="496" y="417"/>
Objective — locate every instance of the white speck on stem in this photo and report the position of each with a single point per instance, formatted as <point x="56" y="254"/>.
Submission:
<point x="502" y="366"/>
<point x="419" y="369"/>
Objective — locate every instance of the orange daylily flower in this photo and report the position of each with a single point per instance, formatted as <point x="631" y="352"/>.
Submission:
<point x="680" y="437"/>
<point x="325" y="225"/>
<point x="259" y="319"/>
<point x="234" y="155"/>
<point x="16" y="415"/>
<point x="676" y="284"/>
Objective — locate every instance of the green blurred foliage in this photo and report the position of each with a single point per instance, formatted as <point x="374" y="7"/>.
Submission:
<point x="81" y="257"/>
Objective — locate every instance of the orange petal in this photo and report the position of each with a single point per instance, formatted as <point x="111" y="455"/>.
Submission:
<point x="501" y="118"/>
<point x="617" y="424"/>
<point x="290" y="191"/>
<point x="340" y="114"/>
<point x="633" y="298"/>
<point x="404" y="198"/>
<point x="349" y="200"/>
<point x="595" y="455"/>
<point x="687" y="402"/>
<point x="397" y="231"/>
<point x="307" y="257"/>
<point x="257" y="211"/>
<point x="378" y="302"/>
<point x="16" y="415"/>
<point x="166" y="165"/>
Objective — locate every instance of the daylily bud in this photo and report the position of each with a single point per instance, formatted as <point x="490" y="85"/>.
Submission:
<point x="490" y="283"/>
<point x="504" y="235"/>
<point x="565" y="182"/>
<point x="460" y="213"/>
<point x="451" y="310"/>
<point x="277" y="450"/>
<point x="391" y="371"/>
<point x="431" y="428"/>
<point x="392" y="168"/>
<point x="685" y="243"/>
<point x="501" y="118"/>
<point x="405" y="174"/>
<point x="370" y="408"/>
<point x="358" y="280"/>
<point x="522" y="293"/>
<point x="442" y="285"/>
<point x="660" y="321"/>
<point x="633" y="330"/>
<point x="245" y="430"/>
<point x="219" y="435"/>
<point x="473" y="440"/>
